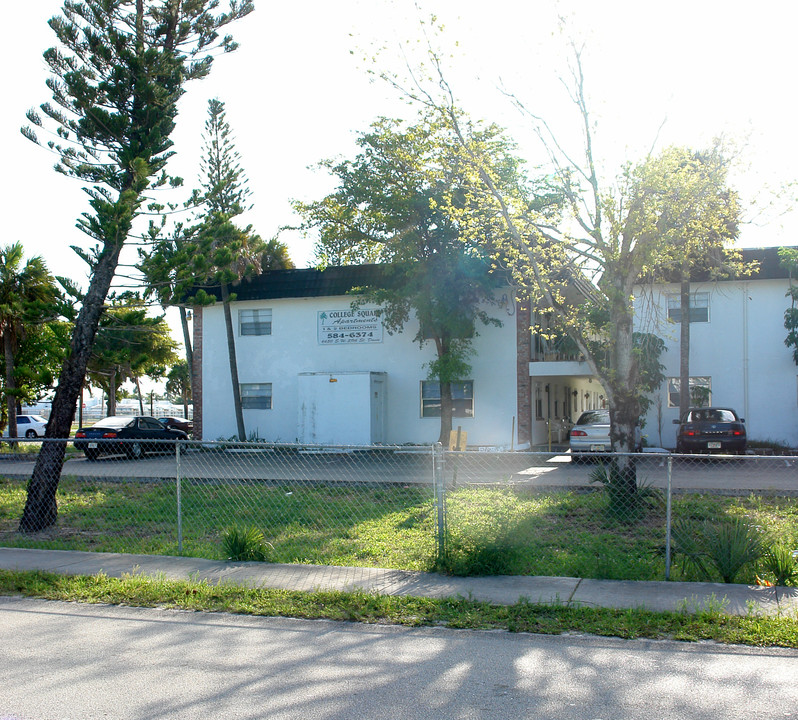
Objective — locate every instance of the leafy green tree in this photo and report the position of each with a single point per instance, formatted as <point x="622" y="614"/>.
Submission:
<point x="789" y="258"/>
<point x="178" y="384"/>
<point x="583" y="267"/>
<point x="161" y="265"/>
<point x="129" y="345"/>
<point x="705" y="212"/>
<point x="39" y="359"/>
<point x="218" y="251"/>
<point x="234" y="253"/>
<point x="118" y="71"/>
<point x="28" y="296"/>
<point x="403" y="201"/>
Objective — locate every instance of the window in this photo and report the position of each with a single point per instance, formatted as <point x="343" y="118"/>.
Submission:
<point x="149" y="424"/>
<point x="254" y="322"/>
<point x="700" y="391"/>
<point x="256" y="396"/>
<point x="462" y="398"/>
<point x="699" y="307"/>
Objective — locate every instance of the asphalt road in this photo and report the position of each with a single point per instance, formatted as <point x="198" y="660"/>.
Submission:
<point x="63" y="660"/>
<point x="768" y="474"/>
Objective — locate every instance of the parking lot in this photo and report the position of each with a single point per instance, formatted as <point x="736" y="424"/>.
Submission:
<point x="735" y="475"/>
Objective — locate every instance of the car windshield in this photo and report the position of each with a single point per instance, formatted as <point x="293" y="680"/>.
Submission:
<point x="711" y="415"/>
<point x="594" y="417"/>
<point x="115" y="422"/>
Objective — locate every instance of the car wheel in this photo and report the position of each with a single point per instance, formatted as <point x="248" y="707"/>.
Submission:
<point x="135" y="450"/>
<point x="91" y="455"/>
<point x="30" y="433"/>
<point x="577" y="459"/>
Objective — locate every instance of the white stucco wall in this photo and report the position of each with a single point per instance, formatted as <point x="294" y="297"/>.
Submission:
<point x="293" y="348"/>
<point x="741" y="348"/>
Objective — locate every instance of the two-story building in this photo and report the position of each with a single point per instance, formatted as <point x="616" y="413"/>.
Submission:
<point x="314" y="370"/>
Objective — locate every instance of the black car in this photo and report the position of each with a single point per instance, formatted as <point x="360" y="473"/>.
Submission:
<point x="131" y="436"/>
<point x="711" y="430"/>
<point x="177" y="423"/>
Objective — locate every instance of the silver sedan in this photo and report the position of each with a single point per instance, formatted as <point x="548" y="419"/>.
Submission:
<point x="590" y="435"/>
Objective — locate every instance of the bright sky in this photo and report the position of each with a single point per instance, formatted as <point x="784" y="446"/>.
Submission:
<point x="297" y="92"/>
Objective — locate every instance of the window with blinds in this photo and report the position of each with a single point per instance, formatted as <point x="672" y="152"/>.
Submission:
<point x="255" y="322"/>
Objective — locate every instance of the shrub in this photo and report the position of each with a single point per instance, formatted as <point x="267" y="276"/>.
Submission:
<point x="731" y="545"/>
<point x="782" y="564"/>
<point x="244" y="544"/>
<point x="727" y="546"/>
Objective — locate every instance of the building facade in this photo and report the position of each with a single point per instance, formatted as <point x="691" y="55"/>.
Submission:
<point x="738" y="357"/>
<point x="313" y="370"/>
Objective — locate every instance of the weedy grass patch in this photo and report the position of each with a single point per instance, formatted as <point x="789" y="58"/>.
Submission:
<point x="692" y="625"/>
<point x="489" y="530"/>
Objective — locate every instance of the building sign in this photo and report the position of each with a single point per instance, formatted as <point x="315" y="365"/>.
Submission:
<point x="344" y="327"/>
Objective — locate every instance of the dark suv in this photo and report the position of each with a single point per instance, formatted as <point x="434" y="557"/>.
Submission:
<point x="711" y="430"/>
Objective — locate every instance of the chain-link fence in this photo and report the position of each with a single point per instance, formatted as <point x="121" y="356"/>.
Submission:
<point x="637" y="517"/>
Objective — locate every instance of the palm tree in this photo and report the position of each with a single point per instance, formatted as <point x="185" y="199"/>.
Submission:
<point x="27" y="294"/>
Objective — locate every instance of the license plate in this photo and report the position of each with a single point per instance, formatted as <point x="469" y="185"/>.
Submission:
<point x="596" y="448"/>
<point x="92" y="446"/>
<point x="713" y="445"/>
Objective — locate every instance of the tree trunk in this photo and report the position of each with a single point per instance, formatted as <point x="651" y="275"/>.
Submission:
<point x="187" y="340"/>
<point x="112" y="388"/>
<point x="621" y="389"/>
<point x="231" y="354"/>
<point x="446" y="413"/>
<point x="141" y="400"/>
<point x="11" y="386"/>
<point x="684" y="346"/>
<point x="41" y="509"/>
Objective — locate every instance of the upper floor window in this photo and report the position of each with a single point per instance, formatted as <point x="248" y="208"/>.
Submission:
<point x="254" y="322"/>
<point x="699" y="307"/>
<point x="700" y="392"/>
<point x="462" y="398"/>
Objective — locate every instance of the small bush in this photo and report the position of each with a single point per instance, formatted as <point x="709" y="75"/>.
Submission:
<point x="726" y="546"/>
<point x="242" y="544"/>
<point x="782" y="564"/>
<point x="731" y="545"/>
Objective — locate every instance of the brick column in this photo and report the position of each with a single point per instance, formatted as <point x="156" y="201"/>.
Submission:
<point x="196" y="372"/>
<point x="523" y="322"/>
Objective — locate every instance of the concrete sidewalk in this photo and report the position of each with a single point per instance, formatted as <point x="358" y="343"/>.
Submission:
<point x="500" y="590"/>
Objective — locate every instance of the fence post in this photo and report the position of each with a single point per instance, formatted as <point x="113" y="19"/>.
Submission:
<point x="438" y="482"/>
<point x="179" y="500"/>
<point x="668" y="509"/>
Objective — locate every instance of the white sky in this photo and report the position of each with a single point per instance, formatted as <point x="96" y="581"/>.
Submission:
<point x="297" y="92"/>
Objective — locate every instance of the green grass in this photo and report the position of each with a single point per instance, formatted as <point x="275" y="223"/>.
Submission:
<point x="490" y="530"/>
<point x="700" y="625"/>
